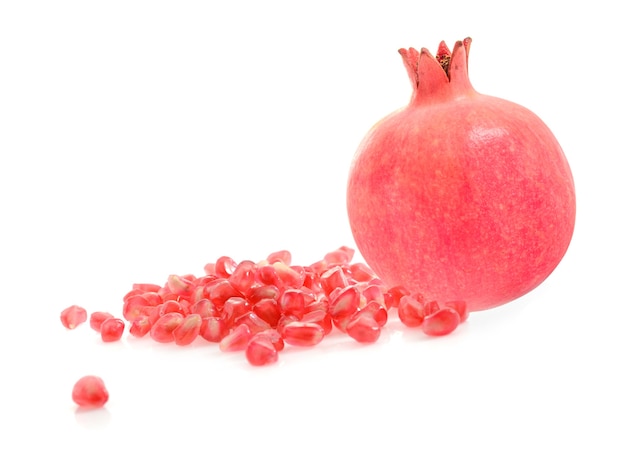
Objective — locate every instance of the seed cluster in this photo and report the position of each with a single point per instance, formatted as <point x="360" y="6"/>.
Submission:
<point x="260" y="307"/>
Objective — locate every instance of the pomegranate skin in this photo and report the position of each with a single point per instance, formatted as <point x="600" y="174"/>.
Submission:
<point x="459" y="195"/>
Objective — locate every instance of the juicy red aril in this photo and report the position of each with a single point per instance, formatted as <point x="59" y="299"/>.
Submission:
<point x="188" y="330"/>
<point x="90" y="392"/>
<point x="376" y="311"/>
<point x="179" y="285"/>
<point x="460" y="307"/>
<point x="320" y="317"/>
<point x="275" y="338"/>
<point x="233" y="309"/>
<point x="333" y="278"/>
<point x="237" y="339"/>
<point x="283" y="256"/>
<point x="253" y="321"/>
<point x="410" y="311"/>
<point x="431" y="307"/>
<point x="112" y="329"/>
<point x="292" y="302"/>
<point x="204" y="308"/>
<point x="163" y="329"/>
<point x="213" y="329"/>
<point x="73" y="316"/>
<point x="291" y="276"/>
<point x="442" y="322"/>
<point x="393" y="295"/>
<point x="225" y="266"/>
<point x="140" y="326"/>
<point x="361" y="272"/>
<point x="97" y="318"/>
<point x="363" y="328"/>
<point x="297" y="333"/>
<point x="134" y="306"/>
<point x="243" y="277"/>
<point x="171" y="306"/>
<point x="268" y="310"/>
<point x="344" y="302"/>
<point x="261" y="351"/>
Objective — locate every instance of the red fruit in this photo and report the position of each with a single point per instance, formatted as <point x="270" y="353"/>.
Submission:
<point x="140" y="326"/>
<point x="261" y="351"/>
<point x="460" y="195"/>
<point x="213" y="329"/>
<point x="90" y="392"/>
<point x="97" y="318"/>
<point x="297" y="333"/>
<point x="268" y="310"/>
<point x="411" y="311"/>
<point x="163" y="329"/>
<point x="237" y="339"/>
<point x="442" y="322"/>
<point x="73" y="316"/>
<point x="111" y="329"/>
<point x="363" y="328"/>
<point x="188" y="330"/>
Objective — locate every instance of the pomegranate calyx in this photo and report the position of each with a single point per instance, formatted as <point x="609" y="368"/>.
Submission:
<point x="443" y="76"/>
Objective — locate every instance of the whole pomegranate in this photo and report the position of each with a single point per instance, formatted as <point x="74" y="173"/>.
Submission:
<point x="460" y="195"/>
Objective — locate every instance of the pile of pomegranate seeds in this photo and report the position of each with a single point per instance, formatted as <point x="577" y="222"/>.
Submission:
<point x="258" y="308"/>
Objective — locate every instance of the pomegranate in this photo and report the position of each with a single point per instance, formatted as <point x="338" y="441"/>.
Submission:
<point x="460" y="195"/>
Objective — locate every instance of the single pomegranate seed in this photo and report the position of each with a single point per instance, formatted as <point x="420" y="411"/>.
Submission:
<point x="73" y="316"/>
<point x="213" y="329"/>
<point x="297" y="333"/>
<point x="225" y="266"/>
<point x="442" y="322"/>
<point x="253" y="321"/>
<point x="243" y="277"/>
<point x="292" y="302"/>
<point x="179" y="285"/>
<point x="188" y="330"/>
<point x="333" y="278"/>
<point x="261" y="351"/>
<point x="279" y="256"/>
<point x="363" y="328"/>
<point x="97" y="318"/>
<point x="90" y="392"/>
<point x="461" y="309"/>
<point x="377" y="311"/>
<point x="111" y="329"/>
<point x="268" y="310"/>
<point x="163" y="329"/>
<point x="233" y="309"/>
<point x="291" y="276"/>
<point x="220" y="291"/>
<point x="341" y="256"/>
<point x="373" y="292"/>
<point x="275" y="338"/>
<point x="361" y="272"/>
<point x="150" y="287"/>
<point x="152" y="298"/>
<point x="267" y="275"/>
<point x="431" y="307"/>
<point x="204" y="308"/>
<point x="410" y="311"/>
<point x="393" y="296"/>
<point x="140" y="326"/>
<point x="263" y="292"/>
<point x="209" y="269"/>
<point x="320" y="317"/>
<point x="237" y="339"/>
<point x="344" y="302"/>
<point x="171" y="306"/>
<point x="134" y="306"/>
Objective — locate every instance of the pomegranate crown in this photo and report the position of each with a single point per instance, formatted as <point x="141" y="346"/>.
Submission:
<point x="442" y="75"/>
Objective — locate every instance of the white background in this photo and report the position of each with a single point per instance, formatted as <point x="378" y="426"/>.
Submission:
<point x="144" y="138"/>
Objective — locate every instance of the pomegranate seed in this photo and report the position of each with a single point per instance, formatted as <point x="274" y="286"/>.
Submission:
<point x="150" y="287"/>
<point x="134" y="306"/>
<point x="291" y="276"/>
<point x="90" y="392"/>
<point x="361" y="272"/>
<point x="261" y="351"/>
<point x="224" y="267"/>
<point x="338" y="257"/>
<point x="233" y="309"/>
<point x="297" y="333"/>
<point x="171" y="306"/>
<point x="292" y="302"/>
<point x="377" y="311"/>
<point x="243" y="277"/>
<point x="152" y="298"/>
<point x="268" y="310"/>
<point x="320" y="317"/>
<point x="275" y="338"/>
<point x="410" y="311"/>
<point x="97" y="318"/>
<point x="344" y="302"/>
<point x="263" y="292"/>
<point x="442" y="322"/>
<point x="393" y="296"/>
<point x="163" y="329"/>
<point x="204" y="308"/>
<point x="279" y="256"/>
<point x="73" y="316"/>
<point x="267" y="275"/>
<point x="333" y="278"/>
<point x="220" y="291"/>
<point x="254" y="323"/>
<point x="363" y="328"/>
<point x="461" y="309"/>
<point x="213" y="329"/>
<point x="179" y="285"/>
<point x="188" y="330"/>
<point x="431" y="307"/>
<point x="373" y="292"/>
<point x="140" y="326"/>
<point x="111" y="329"/>
<point x="237" y="339"/>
